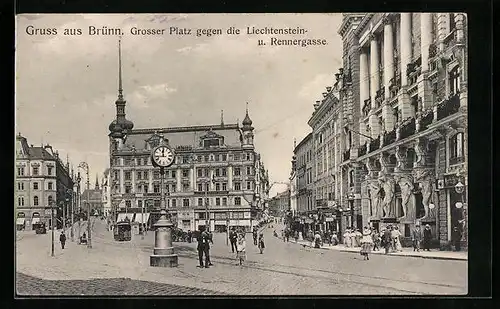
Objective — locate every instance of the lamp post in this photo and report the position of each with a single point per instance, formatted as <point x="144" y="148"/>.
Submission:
<point x="350" y="198"/>
<point x="72" y="233"/>
<point x="163" y="255"/>
<point x="85" y="166"/>
<point x="51" y="205"/>
<point x="459" y="188"/>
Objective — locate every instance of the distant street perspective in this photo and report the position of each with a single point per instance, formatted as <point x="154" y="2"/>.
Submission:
<point x="284" y="268"/>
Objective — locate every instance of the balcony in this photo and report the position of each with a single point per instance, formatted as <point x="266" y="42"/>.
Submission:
<point x="366" y="107"/>
<point x="432" y="50"/>
<point x="346" y="155"/>
<point x="379" y="97"/>
<point x="374" y="144"/>
<point x="426" y="120"/>
<point x="448" y="107"/>
<point x="362" y="150"/>
<point x="457" y="160"/>
<point x="390" y="137"/>
<point x="407" y="128"/>
<point x="394" y="86"/>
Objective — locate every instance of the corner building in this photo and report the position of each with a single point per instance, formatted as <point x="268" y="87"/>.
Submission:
<point x="407" y="129"/>
<point x="216" y="167"/>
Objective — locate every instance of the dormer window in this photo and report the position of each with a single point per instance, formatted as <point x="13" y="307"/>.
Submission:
<point x="211" y="139"/>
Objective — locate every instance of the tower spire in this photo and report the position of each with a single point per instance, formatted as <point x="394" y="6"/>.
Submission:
<point x="247" y="108"/>
<point x="96" y="182"/>
<point x="222" y="117"/>
<point x="120" y="88"/>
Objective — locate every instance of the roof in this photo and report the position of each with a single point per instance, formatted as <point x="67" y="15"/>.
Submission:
<point x="302" y="142"/>
<point x="40" y="153"/>
<point x="184" y="136"/>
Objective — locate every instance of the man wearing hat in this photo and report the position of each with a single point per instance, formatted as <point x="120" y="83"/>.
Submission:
<point x="427" y="237"/>
<point x="416" y="237"/>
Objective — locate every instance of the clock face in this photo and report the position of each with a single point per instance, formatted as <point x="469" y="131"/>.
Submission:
<point x="163" y="156"/>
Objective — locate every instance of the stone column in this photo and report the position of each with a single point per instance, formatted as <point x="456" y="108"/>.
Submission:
<point x="364" y="76"/>
<point x="178" y="178"/>
<point x="425" y="38"/>
<point x="406" y="45"/>
<point x="388" y="55"/>
<point x="122" y="181"/>
<point x="374" y="69"/>
<point x="459" y="24"/>
<point x="443" y="28"/>
<point x="230" y="178"/>
<point x="191" y="179"/>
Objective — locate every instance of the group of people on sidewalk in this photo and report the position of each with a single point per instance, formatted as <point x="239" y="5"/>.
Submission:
<point x="238" y="243"/>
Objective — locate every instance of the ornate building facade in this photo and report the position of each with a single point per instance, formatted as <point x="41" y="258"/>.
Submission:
<point x="42" y="180"/>
<point x="94" y="197"/>
<point x="407" y="120"/>
<point x="217" y="173"/>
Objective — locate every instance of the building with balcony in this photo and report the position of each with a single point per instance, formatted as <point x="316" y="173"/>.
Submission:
<point x="407" y="120"/>
<point x="42" y="180"/>
<point x="217" y="176"/>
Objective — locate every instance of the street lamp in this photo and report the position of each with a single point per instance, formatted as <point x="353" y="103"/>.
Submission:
<point x="350" y="198"/>
<point x="459" y="187"/>
<point x="163" y="255"/>
<point x="85" y="166"/>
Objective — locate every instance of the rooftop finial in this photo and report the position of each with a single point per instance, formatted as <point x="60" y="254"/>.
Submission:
<point x="294" y="143"/>
<point x="221" y="117"/>
<point x="120" y="88"/>
<point x="247" y="108"/>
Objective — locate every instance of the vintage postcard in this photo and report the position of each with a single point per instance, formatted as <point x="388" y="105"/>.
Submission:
<point x="241" y="154"/>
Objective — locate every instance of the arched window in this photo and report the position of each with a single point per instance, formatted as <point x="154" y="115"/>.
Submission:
<point x="454" y="81"/>
<point x="50" y="200"/>
<point x="457" y="148"/>
<point x="35" y="200"/>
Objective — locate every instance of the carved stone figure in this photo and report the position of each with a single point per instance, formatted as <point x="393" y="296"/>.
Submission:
<point x="401" y="157"/>
<point x="424" y="179"/>
<point x="406" y="185"/>
<point x="388" y="186"/>
<point x="374" y="191"/>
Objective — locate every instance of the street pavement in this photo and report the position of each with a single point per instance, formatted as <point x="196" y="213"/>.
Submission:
<point x="283" y="269"/>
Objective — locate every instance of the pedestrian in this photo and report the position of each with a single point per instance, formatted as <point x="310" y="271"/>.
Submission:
<point x="358" y="235"/>
<point x="241" y="249"/>
<point x="201" y="248"/>
<point x="328" y="237"/>
<point x="261" y="243"/>
<point x="366" y="243"/>
<point x="353" y="238"/>
<point x="386" y="239"/>
<point x="317" y="240"/>
<point x="233" y="237"/>
<point x="296" y="236"/>
<point x="189" y="236"/>
<point x="375" y="239"/>
<point x="254" y="236"/>
<point x="456" y="237"/>
<point x="347" y="238"/>
<point x="62" y="239"/>
<point x="334" y="239"/>
<point x="427" y="237"/>
<point x="287" y="234"/>
<point x="416" y="237"/>
<point x="396" y="234"/>
<point x="208" y="239"/>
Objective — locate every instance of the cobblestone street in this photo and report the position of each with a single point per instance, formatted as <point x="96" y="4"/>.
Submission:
<point x="283" y="269"/>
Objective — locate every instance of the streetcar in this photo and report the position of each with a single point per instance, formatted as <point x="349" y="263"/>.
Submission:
<point x="123" y="231"/>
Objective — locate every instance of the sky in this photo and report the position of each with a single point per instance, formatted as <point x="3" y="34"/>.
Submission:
<point x="66" y="85"/>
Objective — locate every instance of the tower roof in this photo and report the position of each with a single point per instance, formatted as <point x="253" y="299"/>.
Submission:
<point x="247" y="122"/>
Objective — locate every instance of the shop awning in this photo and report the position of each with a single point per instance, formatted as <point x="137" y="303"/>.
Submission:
<point x="139" y="217"/>
<point x="35" y="220"/>
<point x="20" y="221"/>
<point x="122" y="216"/>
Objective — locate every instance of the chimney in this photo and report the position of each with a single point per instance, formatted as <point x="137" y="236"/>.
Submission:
<point x="325" y="94"/>
<point x="328" y="89"/>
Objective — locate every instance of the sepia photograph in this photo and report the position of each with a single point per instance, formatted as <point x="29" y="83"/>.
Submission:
<point x="223" y="155"/>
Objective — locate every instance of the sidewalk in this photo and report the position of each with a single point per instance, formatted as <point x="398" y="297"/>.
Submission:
<point x="439" y="255"/>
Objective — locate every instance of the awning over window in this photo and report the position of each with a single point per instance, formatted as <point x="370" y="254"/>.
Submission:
<point x="34" y="220"/>
<point x="122" y="216"/>
<point x="20" y="221"/>
<point x="139" y="217"/>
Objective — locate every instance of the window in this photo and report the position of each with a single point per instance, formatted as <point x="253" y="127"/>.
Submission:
<point x="49" y="186"/>
<point x="237" y="171"/>
<point x="185" y="159"/>
<point x="185" y="202"/>
<point x="207" y="187"/>
<point x="217" y="172"/>
<point x="173" y="188"/>
<point x="206" y="158"/>
<point x="207" y="201"/>
<point x="20" y="171"/>
<point x="217" y="201"/>
<point x="224" y="201"/>
<point x="185" y="173"/>
<point x="146" y="188"/>
<point x="217" y="187"/>
<point x="249" y="170"/>
<point x="185" y="187"/>
<point x="199" y="172"/>
<point x="201" y="215"/>
<point x="35" y="186"/>
<point x="139" y="204"/>
<point x="237" y="186"/>
<point x="35" y="170"/>
<point x="174" y="203"/>
<point x="20" y="201"/>
<point x="237" y="200"/>
<point x="35" y="200"/>
<point x="210" y="142"/>
<point x="156" y="188"/>
<point x="128" y="189"/>
<point x="173" y="174"/>
<point x="200" y="187"/>
<point x="200" y="201"/>
<point x="224" y="157"/>
<point x="249" y="185"/>
<point x="219" y="216"/>
<point x="139" y="188"/>
<point x="457" y="148"/>
<point x="128" y="175"/>
<point x="249" y="157"/>
<point x="236" y="157"/>
<point x="452" y="22"/>
<point x="217" y="158"/>
<point x="128" y="203"/>
<point x="237" y="215"/>
<point x="156" y="174"/>
<point x="205" y="172"/>
<point x="49" y="171"/>
<point x="224" y="186"/>
<point x="351" y="178"/>
<point x="20" y="186"/>
<point x="224" y="171"/>
<point x="454" y="80"/>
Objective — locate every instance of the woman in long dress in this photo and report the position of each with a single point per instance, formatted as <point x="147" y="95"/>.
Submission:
<point x="347" y="238"/>
<point x="241" y="248"/>
<point x="396" y="236"/>
<point x="366" y="243"/>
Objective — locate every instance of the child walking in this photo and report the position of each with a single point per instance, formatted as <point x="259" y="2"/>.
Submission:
<point x="240" y="249"/>
<point x="261" y="243"/>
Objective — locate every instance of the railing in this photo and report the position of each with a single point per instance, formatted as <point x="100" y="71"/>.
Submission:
<point x="394" y="86"/>
<point x="457" y="160"/>
<point x="390" y="137"/>
<point x="374" y="144"/>
<point x="407" y="128"/>
<point x="347" y="155"/>
<point x="362" y="150"/>
<point x="426" y="120"/>
<point x="432" y="50"/>
<point x="379" y="96"/>
<point x="448" y="107"/>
